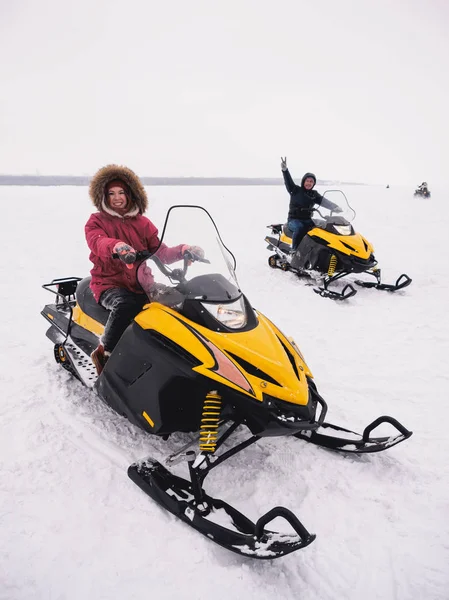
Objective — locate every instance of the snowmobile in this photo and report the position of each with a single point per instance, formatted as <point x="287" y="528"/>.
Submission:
<point x="330" y="251"/>
<point x="425" y="193"/>
<point x="209" y="365"/>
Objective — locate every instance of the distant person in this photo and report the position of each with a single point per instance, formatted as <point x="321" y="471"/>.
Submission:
<point x="120" y="228"/>
<point x="303" y="199"/>
<point x="388" y="186"/>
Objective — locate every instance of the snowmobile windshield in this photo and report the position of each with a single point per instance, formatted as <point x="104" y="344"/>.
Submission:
<point x="323" y="215"/>
<point x="191" y="260"/>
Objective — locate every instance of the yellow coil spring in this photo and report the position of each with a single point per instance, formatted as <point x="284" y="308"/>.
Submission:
<point x="209" y="422"/>
<point x="332" y="265"/>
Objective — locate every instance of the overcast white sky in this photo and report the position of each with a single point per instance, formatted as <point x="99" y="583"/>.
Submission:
<point x="349" y="89"/>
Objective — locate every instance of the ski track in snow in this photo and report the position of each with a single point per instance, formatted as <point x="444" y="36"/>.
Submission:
<point x="74" y="526"/>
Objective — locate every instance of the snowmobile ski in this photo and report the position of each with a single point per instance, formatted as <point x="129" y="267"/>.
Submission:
<point x="401" y="282"/>
<point x="340" y="439"/>
<point x="216" y="519"/>
<point x="347" y="292"/>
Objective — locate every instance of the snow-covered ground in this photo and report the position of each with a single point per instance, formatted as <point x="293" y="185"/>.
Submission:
<point x="74" y="526"/>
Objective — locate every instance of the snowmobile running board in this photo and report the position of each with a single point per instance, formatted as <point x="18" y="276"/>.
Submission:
<point x="343" y="440"/>
<point x="216" y="519"/>
<point x="401" y="282"/>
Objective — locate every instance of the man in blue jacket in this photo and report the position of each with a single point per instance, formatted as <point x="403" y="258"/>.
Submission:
<point x="303" y="199"/>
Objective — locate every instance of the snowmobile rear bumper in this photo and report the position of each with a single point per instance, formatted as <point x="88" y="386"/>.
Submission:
<point x="340" y="439"/>
<point x="216" y="519"/>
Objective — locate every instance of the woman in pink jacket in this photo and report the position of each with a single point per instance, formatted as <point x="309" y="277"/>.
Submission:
<point x="119" y="227"/>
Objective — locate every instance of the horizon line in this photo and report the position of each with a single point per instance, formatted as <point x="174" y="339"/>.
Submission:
<point x="84" y="180"/>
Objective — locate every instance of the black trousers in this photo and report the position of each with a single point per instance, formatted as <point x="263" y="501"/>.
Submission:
<point x="124" y="306"/>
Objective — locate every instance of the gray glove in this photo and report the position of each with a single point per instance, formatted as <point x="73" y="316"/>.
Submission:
<point x="284" y="163"/>
<point x="337" y="210"/>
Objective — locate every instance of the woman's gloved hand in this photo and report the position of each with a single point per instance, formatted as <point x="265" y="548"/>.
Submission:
<point x="196" y="252"/>
<point x="126" y="253"/>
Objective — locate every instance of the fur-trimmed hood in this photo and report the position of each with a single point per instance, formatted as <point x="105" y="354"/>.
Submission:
<point x="107" y="174"/>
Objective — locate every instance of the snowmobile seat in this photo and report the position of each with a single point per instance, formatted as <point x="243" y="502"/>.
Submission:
<point x="88" y="304"/>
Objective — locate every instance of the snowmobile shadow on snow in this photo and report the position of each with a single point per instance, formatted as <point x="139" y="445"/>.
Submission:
<point x="211" y="365"/>
<point x="329" y="252"/>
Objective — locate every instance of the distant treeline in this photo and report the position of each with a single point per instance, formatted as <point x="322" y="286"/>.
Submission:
<point x="47" y="180"/>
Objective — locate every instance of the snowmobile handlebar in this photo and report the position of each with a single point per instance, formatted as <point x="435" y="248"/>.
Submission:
<point x="145" y="254"/>
<point x="177" y="275"/>
<point x="173" y="274"/>
<point x="325" y="217"/>
<point x="141" y="255"/>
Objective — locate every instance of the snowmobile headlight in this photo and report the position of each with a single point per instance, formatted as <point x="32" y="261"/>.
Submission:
<point x="343" y="229"/>
<point x="231" y="314"/>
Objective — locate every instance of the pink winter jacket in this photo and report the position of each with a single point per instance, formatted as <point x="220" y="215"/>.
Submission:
<point x="103" y="231"/>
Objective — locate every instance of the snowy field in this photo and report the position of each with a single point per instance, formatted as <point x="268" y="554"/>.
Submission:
<point x="74" y="526"/>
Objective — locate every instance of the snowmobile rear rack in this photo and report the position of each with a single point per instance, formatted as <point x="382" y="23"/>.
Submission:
<point x="65" y="297"/>
<point x="65" y="288"/>
<point x="340" y="441"/>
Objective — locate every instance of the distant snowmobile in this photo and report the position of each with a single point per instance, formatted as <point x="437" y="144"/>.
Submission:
<point x="422" y="190"/>
<point x="330" y="251"/>
<point x="211" y="365"/>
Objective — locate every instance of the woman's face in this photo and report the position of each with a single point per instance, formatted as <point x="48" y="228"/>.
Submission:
<point x="117" y="198"/>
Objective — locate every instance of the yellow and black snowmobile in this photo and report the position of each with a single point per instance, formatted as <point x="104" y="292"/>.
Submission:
<point x="209" y="364"/>
<point x="330" y="251"/>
